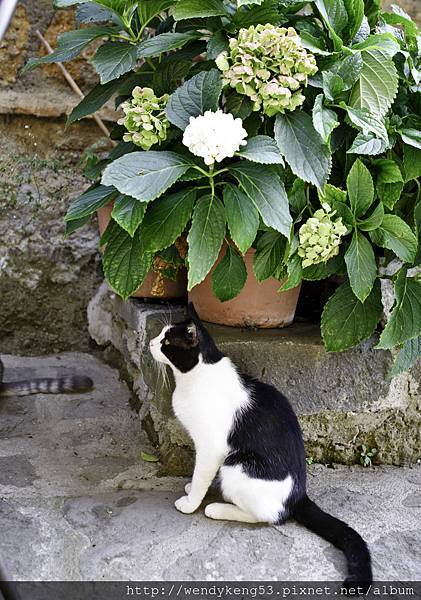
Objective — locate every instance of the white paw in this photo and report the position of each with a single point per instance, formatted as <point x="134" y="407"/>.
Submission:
<point x="185" y="505"/>
<point x="212" y="511"/>
<point x="187" y="488"/>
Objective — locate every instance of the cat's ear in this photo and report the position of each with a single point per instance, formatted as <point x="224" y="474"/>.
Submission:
<point x="192" y="333"/>
<point x="191" y="311"/>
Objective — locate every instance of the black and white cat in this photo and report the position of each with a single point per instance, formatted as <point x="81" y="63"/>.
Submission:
<point x="247" y="433"/>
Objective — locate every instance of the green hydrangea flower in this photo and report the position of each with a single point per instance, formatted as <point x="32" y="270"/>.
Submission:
<point x="269" y="65"/>
<point x="320" y="237"/>
<point x="145" y="118"/>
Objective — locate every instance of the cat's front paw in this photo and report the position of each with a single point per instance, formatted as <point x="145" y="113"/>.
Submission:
<point x="187" y="488"/>
<point x="185" y="505"/>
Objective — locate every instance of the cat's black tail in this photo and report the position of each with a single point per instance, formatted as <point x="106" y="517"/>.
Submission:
<point x="338" y="533"/>
<point x="59" y="385"/>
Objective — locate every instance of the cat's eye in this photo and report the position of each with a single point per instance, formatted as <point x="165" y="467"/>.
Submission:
<point x="167" y="342"/>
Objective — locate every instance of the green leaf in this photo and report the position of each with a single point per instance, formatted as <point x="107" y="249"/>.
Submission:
<point x="389" y="193"/>
<point x="146" y="456"/>
<point x="264" y="188"/>
<point x="268" y="12"/>
<point x="217" y="43"/>
<point x="332" y="194"/>
<point x="324" y="270"/>
<point x="166" y="219"/>
<point x="128" y="213"/>
<point x="113" y="59"/>
<point x="389" y="182"/>
<point x="168" y="75"/>
<point x="111" y="230"/>
<point x="388" y="170"/>
<point x="367" y="144"/>
<point x="346" y="321"/>
<point x="312" y="43"/>
<point x="198" y="94"/>
<point x="349" y="69"/>
<point x="368" y="123"/>
<point x="399" y="17"/>
<point x="262" y="149"/>
<point x="372" y="11"/>
<point x="89" y="12"/>
<point x="342" y="210"/>
<point x="361" y="265"/>
<point x="230" y="275"/>
<point x="74" y="224"/>
<point x="404" y="322"/>
<point x="378" y="83"/>
<point x="193" y="9"/>
<point x="269" y="252"/>
<point x="397" y="236"/>
<point x="374" y="220"/>
<point x="411" y="137"/>
<point x="66" y="3"/>
<point x="407" y="356"/>
<point x="360" y="188"/>
<point x="302" y="147"/>
<point x="355" y="10"/>
<point x="242" y="217"/>
<point x="125" y="262"/>
<point x="90" y="201"/>
<point x="205" y="238"/>
<point x="334" y="12"/>
<point x="333" y="85"/>
<point x="70" y="44"/>
<point x="295" y="274"/>
<point x="334" y="15"/>
<point x="239" y="106"/>
<point x="411" y="162"/>
<point x="386" y="42"/>
<point x="145" y="175"/>
<point x="164" y="42"/>
<point x="148" y="9"/>
<point x="297" y="196"/>
<point x="96" y="98"/>
<point x="324" y="119"/>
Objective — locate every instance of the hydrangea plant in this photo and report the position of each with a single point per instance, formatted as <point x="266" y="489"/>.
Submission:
<point x="290" y="128"/>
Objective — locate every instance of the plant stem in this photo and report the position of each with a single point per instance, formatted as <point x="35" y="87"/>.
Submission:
<point x="212" y="181"/>
<point x="200" y="170"/>
<point x="219" y="172"/>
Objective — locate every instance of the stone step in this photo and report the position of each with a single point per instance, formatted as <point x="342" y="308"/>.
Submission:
<point x="344" y="400"/>
<point x="78" y="504"/>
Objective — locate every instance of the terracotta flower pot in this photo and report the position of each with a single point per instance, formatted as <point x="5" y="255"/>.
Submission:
<point x="257" y="305"/>
<point x="167" y="288"/>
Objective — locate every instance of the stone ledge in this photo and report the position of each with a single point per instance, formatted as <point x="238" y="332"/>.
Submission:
<point x="343" y="400"/>
<point x="49" y="103"/>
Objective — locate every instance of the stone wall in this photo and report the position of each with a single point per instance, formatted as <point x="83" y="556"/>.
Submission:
<point x="45" y="280"/>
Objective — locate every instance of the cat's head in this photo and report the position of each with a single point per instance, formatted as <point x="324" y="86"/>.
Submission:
<point x="184" y="345"/>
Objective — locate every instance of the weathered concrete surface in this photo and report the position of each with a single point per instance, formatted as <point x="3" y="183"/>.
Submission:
<point x="76" y="503"/>
<point x="343" y="400"/>
<point x="45" y="280"/>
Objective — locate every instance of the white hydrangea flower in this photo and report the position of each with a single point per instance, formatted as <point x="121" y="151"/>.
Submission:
<point x="214" y="136"/>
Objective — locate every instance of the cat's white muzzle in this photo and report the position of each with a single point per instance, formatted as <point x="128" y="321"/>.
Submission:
<point x="155" y="348"/>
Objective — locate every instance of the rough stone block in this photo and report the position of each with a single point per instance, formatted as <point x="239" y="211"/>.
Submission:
<point x="344" y="401"/>
<point x="13" y="47"/>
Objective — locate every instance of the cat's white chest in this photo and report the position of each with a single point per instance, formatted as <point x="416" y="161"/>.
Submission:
<point x="206" y="400"/>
